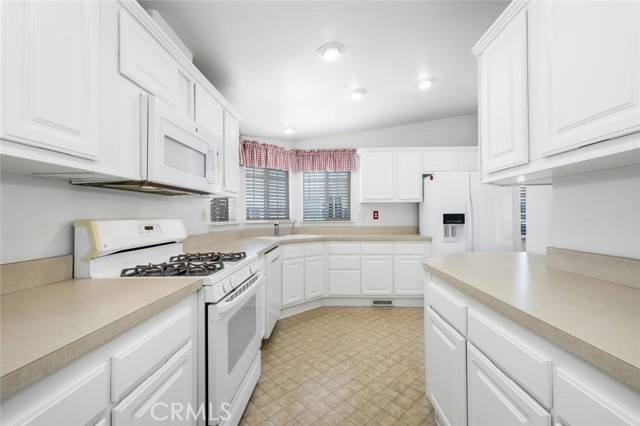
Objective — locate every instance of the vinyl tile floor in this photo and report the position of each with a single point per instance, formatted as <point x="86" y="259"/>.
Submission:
<point x="343" y="366"/>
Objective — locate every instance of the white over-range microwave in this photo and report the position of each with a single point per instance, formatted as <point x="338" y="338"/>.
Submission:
<point x="178" y="156"/>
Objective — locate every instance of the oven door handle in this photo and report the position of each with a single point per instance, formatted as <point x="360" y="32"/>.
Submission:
<point x="223" y="307"/>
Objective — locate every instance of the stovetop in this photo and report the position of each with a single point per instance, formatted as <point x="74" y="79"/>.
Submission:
<point x="187" y="264"/>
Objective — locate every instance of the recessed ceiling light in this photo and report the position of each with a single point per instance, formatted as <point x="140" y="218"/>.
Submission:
<point x="331" y="51"/>
<point x="288" y="130"/>
<point x="425" y="83"/>
<point x="357" y="94"/>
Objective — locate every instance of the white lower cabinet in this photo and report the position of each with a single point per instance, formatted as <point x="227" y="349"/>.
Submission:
<point x="495" y="399"/>
<point x="313" y="277"/>
<point x="376" y="275"/>
<point x="577" y="402"/>
<point x="511" y="375"/>
<point x="292" y="281"/>
<point x="408" y="277"/>
<point x="159" y="397"/>
<point x="131" y="380"/>
<point x="82" y="399"/>
<point x="446" y="371"/>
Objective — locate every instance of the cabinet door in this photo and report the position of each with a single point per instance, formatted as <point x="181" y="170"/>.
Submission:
<point x="409" y="176"/>
<point x="231" y="154"/>
<point x="468" y="161"/>
<point x="408" y="275"/>
<point x="377" y="275"/>
<point x="208" y="111"/>
<point x="377" y="176"/>
<point x="344" y="283"/>
<point x="145" y="61"/>
<point x="590" y="72"/>
<point x="151" y="402"/>
<point x="51" y="60"/>
<point x="313" y="277"/>
<point x="292" y="281"/>
<point x="446" y="371"/>
<point x="579" y="403"/>
<point x="495" y="399"/>
<point x="439" y="161"/>
<point x="503" y="109"/>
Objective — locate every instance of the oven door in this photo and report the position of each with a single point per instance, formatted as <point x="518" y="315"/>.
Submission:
<point x="235" y="327"/>
<point x="177" y="151"/>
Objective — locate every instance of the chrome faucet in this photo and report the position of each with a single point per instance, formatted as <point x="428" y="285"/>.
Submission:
<point x="292" y="227"/>
<point x="276" y="228"/>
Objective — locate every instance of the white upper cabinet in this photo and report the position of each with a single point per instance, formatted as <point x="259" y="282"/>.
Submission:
<point x="559" y="90"/>
<point x="503" y="108"/>
<point x="231" y="181"/>
<point x="589" y="71"/>
<point x="145" y="61"/>
<point x="209" y="111"/>
<point x="409" y="176"/>
<point x="51" y="63"/>
<point x="439" y="161"/>
<point x="377" y="175"/>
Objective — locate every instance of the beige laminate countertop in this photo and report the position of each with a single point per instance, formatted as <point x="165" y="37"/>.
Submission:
<point x="44" y="328"/>
<point x="597" y="320"/>
<point x="261" y="245"/>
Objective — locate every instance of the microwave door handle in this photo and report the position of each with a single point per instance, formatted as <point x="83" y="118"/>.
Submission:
<point x="212" y="166"/>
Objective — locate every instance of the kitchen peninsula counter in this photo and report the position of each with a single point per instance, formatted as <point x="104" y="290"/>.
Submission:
<point x="46" y="327"/>
<point x="596" y="320"/>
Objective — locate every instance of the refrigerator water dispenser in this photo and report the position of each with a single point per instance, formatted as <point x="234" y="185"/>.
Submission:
<point x="453" y="224"/>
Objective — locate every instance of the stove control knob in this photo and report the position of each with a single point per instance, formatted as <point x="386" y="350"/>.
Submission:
<point x="253" y="268"/>
<point x="226" y="286"/>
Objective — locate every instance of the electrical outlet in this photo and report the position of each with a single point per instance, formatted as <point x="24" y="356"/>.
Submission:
<point x="375" y="215"/>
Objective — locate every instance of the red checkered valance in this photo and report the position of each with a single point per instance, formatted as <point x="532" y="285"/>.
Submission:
<point x="268" y="156"/>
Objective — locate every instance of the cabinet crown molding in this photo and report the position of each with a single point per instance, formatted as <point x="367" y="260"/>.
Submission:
<point x="507" y="15"/>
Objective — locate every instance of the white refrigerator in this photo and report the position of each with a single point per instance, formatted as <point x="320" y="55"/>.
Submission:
<point x="461" y="214"/>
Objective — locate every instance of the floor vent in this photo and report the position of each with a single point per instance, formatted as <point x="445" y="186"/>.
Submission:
<point x="382" y="303"/>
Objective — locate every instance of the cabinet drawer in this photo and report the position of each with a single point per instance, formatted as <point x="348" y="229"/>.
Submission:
<point x="292" y="251"/>
<point x="80" y="401"/>
<point x="313" y="249"/>
<point x="344" y="248"/>
<point x="576" y="402"/>
<point x="532" y="370"/>
<point x="409" y="249"/>
<point x="495" y="399"/>
<point x="344" y="262"/>
<point x="449" y="307"/>
<point x="376" y="248"/>
<point x="132" y="364"/>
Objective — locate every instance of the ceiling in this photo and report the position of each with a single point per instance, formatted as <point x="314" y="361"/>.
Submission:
<point x="262" y="56"/>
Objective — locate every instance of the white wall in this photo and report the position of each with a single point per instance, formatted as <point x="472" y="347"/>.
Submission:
<point x="36" y="214"/>
<point x="453" y="131"/>
<point x="539" y="213"/>
<point x="598" y="212"/>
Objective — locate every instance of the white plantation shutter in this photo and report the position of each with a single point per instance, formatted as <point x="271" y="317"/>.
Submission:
<point x="523" y="211"/>
<point x="223" y="210"/>
<point x="267" y="194"/>
<point x="327" y="196"/>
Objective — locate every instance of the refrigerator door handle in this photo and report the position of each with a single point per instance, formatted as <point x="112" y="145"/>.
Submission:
<point x="469" y="221"/>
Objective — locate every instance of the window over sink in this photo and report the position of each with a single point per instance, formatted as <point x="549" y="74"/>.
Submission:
<point x="266" y="194"/>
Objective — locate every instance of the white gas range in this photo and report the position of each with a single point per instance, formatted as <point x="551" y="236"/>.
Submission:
<point x="232" y="299"/>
